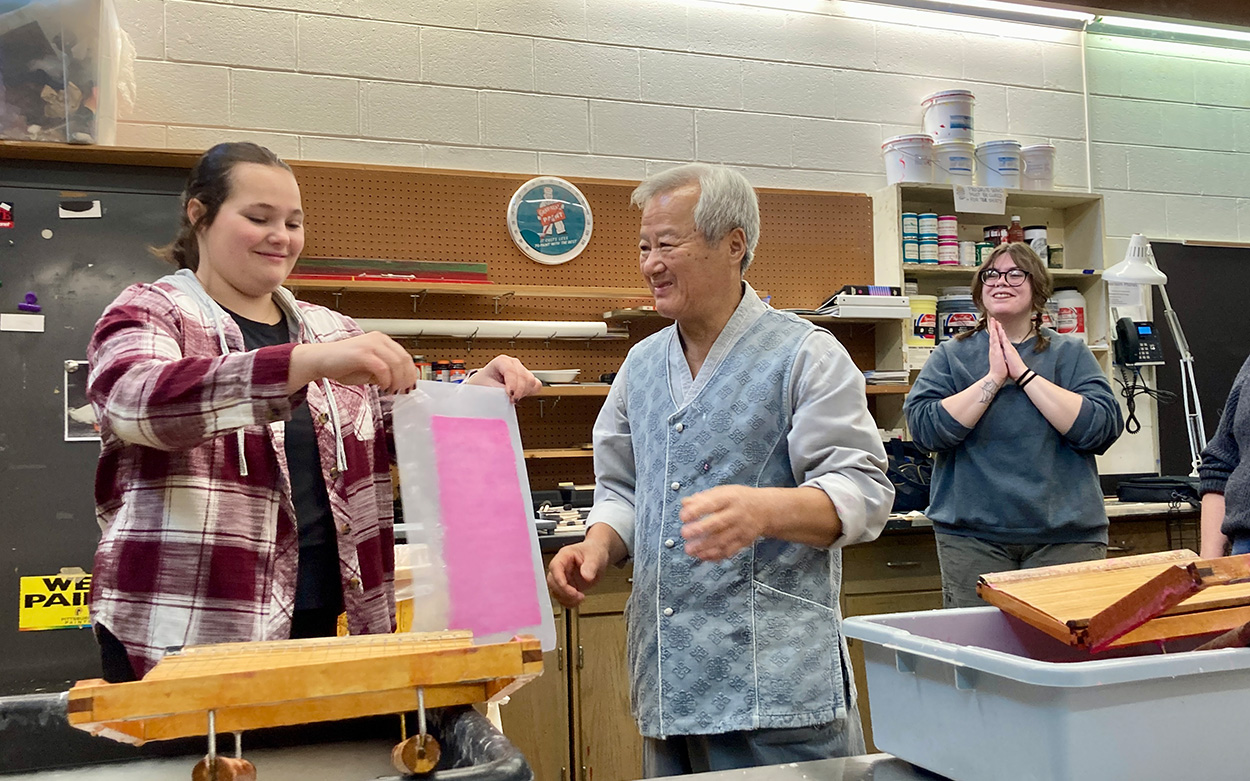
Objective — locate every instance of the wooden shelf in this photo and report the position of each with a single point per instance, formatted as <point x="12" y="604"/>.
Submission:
<point x="1041" y="199"/>
<point x="887" y="390"/>
<point x="570" y="452"/>
<point x="574" y="390"/>
<point x="932" y="271"/>
<point x="491" y="290"/>
<point x="642" y="314"/>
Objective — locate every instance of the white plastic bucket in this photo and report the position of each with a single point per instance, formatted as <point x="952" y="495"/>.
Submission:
<point x="948" y="115"/>
<point x="1039" y="167"/>
<point x="953" y="162"/>
<point x="908" y="158"/>
<point x="998" y="164"/>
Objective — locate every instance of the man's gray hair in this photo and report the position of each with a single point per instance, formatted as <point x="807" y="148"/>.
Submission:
<point x="726" y="201"/>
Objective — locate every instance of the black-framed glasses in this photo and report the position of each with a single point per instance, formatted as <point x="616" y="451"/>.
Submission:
<point x="1014" y="277"/>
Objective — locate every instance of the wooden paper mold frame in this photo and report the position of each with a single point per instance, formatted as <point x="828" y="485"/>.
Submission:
<point x="250" y="686"/>
<point x="1113" y="603"/>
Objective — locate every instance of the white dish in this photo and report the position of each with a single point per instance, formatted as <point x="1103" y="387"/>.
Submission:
<point x="557" y="375"/>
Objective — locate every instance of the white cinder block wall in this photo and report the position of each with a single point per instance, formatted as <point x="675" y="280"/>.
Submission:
<point x="797" y="93"/>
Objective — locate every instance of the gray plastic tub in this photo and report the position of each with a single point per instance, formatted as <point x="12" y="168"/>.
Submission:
<point x="976" y="695"/>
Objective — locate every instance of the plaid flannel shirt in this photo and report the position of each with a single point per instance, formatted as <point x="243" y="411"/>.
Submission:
<point x="199" y="539"/>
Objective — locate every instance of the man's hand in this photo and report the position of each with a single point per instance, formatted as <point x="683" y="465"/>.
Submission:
<point x="721" y="521"/>
<point x="574" y="570"/>
<point x="508" y="373"/>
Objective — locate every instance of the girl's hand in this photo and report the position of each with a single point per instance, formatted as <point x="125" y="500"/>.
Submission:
<point x="1015" y="364"/>
<point x="508" y="373"/>
<point x="998" y="360"/>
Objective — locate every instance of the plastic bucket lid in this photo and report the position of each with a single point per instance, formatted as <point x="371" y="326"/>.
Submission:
<point x="1001" y="145"/>
<point x="909" y="138"/>
<point x="948" y="95"/>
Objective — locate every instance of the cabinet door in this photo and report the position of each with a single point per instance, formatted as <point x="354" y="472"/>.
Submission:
<point x="873" y="604"/>
<point x="536" y="718"/>
<point x="610" y="746"/>
<point x="1133" y="538"/>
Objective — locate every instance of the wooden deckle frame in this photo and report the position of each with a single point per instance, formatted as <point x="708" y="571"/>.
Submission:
<point x="1125" y="601"/>
<point x="279" y="683"/>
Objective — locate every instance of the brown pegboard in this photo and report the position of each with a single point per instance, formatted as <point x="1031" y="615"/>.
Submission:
<point x="811" y="243"/>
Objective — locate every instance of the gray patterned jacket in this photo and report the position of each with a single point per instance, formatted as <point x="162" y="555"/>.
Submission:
<point x="754" y="641"/>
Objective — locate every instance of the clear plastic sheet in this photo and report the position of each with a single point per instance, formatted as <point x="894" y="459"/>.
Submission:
<point x="434" y="417"/>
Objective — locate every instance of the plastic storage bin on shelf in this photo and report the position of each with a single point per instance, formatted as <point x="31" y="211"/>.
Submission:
<point x="976" y="695"/>
<point x="60" y="70"/>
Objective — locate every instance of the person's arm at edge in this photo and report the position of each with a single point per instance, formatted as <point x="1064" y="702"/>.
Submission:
<point x="1212" y="541"/>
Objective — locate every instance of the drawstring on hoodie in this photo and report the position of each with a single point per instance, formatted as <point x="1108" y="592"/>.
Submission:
<point x="185" y="280"/>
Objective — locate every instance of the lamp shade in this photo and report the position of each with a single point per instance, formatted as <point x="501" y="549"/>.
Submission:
<point x="1138" y="266"/>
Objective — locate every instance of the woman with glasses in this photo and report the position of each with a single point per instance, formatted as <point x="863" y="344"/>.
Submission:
<point x="1015" y="413"/>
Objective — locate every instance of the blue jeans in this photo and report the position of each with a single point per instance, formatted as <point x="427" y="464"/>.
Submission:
<point x="1241" y="545"/>
<point x="685" y="754"/>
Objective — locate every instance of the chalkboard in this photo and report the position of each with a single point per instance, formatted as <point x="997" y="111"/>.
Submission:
<point x="75" y="267"/>
<point x="1210" y="291"/>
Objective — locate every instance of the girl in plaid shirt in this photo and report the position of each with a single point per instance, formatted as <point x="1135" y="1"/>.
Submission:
<point x="243" y="488"/>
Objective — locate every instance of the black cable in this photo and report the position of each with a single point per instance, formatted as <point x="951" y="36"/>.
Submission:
<point x="1130" y="390"/>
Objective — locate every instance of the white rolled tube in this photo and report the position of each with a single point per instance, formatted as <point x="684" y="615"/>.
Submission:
<point x="488" y="329"/>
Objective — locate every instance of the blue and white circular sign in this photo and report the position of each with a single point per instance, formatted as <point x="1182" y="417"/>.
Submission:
<point x="549" y="219"/>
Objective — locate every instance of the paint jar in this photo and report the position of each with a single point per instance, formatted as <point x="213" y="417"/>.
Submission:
<point x="908" y="158"/>
<point x="911" y="251"/>
<point x="1035" y="237"/>
<point x="968" y="253"/>
<point x="948" y="115"/>
<point x="956" y="312"/>
<point x="458" y="372"/>
<point x="947" y="227"/>
<point x="1071" y="317"/>
<point x="1039" y="167"/>
<point x="928" y="223"/>
<point x="1054" y="256"/>
<point x="928" y="250"/>
<point x="984" y="248"/>
<point x="923" y="331"/>
<point x="948" y="252"/>
<point x="996" y="234"/>
<point x="910" y="287"/>
<point x="998" y="164"/>
<point x="911" y="227"/>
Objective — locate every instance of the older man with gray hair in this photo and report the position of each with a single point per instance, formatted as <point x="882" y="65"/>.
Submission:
<point x="734" y="458"/>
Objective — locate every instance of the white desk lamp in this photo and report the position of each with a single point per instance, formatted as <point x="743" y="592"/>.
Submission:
<point x="1138" y="268"/>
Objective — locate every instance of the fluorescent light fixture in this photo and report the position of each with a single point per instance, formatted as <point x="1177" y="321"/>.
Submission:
<point x="994" y="9"/>
<point x="490" y="329"/>
<point x="1138" y="267"/>
<point x="1170" y="31"/>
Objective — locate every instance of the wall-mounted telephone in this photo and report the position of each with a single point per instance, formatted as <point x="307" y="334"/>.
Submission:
<point x="1137" y="343"/>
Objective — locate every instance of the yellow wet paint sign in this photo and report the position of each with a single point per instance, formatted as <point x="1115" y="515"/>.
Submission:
<point x="54" y="602"/>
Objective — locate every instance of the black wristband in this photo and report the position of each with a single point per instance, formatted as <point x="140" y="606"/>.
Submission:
<point x="1025" y="379"/>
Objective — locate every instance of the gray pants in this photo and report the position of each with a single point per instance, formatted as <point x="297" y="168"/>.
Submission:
<point x="683" y="754"/>
<point x="964" y="559"/>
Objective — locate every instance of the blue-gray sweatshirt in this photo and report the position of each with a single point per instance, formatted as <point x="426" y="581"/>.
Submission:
<point x="1013" y="478"/>
<point x="1222" y="470"/>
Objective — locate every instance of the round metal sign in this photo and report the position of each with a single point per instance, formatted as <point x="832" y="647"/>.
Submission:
<point x="549" y="219"/>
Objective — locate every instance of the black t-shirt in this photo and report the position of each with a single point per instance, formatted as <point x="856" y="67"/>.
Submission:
<point x="320" y="582"/>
